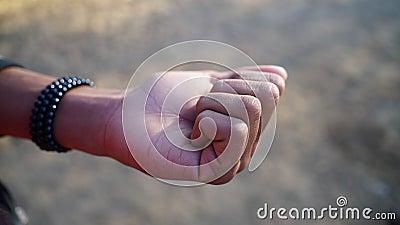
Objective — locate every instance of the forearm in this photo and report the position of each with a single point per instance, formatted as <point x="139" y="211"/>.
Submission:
<point x="80" y="119"/>
<point x="19" y="89"/>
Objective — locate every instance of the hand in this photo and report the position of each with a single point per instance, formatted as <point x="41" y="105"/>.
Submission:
<point x="215" y="113"/>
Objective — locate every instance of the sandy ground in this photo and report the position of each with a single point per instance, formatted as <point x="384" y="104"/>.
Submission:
<point x="338" y="125"/>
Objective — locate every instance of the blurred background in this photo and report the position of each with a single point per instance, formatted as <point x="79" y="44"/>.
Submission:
<point x="338" y="130"/>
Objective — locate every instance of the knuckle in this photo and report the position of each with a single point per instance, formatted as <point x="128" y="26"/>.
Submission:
<point x="270" y="91"/>
<point x="239" y="126"/>
<point x="219" y="85"/>
<point x="203" y="114"/>
<point x="278" y="81"/>
<point x="253" y="105"/>
<point x="274" y="92"/>
<point x="202" y="100"/>
<point x="238" y="133"/>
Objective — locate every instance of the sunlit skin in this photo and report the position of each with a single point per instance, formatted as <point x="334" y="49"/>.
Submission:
<point x="257" y="91"/>
<point x="90" y="119"/>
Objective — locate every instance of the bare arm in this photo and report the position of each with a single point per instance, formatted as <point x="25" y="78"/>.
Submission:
<point x="80" y="120"/>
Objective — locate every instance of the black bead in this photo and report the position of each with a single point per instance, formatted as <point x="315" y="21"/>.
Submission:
<point x="42" y="96"/>
<point x="47" y="129"/>
<point x="49" y="121"/>
<point x="49" y="137"/>
<point x="45" y="91"/>
<point x="50" y="114"/>
<point x="55" y="100"/>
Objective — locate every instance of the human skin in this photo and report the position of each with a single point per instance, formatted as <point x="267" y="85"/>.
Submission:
<point x="90" y="119"/>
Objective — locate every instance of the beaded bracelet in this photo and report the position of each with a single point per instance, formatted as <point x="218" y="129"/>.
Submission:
<point x="44" y="111"/>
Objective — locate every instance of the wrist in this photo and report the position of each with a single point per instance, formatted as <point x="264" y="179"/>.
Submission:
<point x="114" y="143"/>
<point x="82" y="118"/>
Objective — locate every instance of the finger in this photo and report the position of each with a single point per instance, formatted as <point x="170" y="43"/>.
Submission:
<point x="250" y="75"/>
<point x="244" y="107"/>
<point x="220" y="159"/>
<point x="266" y="92"/>
<point x="227" y="176"/>
<point x="208" y="155"/>
<point x="249" y="112"/>
<point x="210" y="125"/>
<point x="268" y="69"/>
<point x="213" y="124"/>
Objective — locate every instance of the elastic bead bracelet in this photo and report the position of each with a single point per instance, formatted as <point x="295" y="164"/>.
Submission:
<point x="44" y="112"/>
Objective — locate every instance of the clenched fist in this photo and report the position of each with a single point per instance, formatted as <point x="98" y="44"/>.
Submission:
<point x="201" y="126"/>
